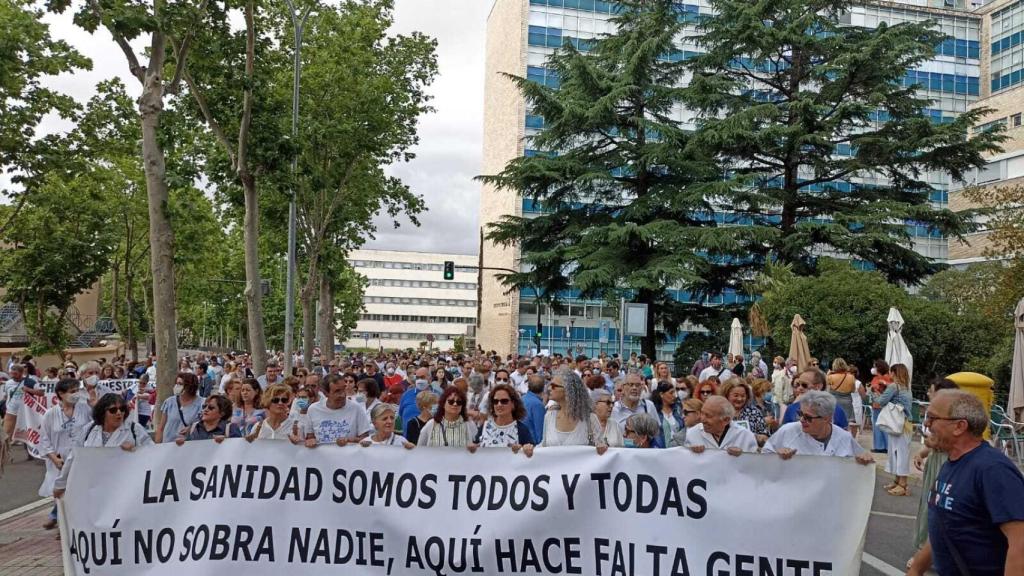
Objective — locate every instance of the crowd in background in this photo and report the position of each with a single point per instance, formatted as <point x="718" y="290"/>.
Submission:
<point x="473" y="401"/>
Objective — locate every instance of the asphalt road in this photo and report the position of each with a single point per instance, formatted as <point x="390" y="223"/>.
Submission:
<point x="887" y="547"/>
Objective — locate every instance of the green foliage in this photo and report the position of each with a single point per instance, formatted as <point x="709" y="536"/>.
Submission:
<point x="459" y="346"/>
<point x="827" y="110"/>
<point x="349" y="287"/>
<point x="623" y="194"/>
<point x="28" y="57"/>
<point x="58" y="246"/>
<point x="846" y="313"/>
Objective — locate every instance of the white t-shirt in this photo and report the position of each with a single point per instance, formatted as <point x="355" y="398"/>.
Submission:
<point x="328" y="425"/>
<point x="735" y="437"/>
<point x="712" y="371"/>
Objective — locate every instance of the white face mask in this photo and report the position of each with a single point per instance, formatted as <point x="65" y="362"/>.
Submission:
<point x="874" y="372"/>
<point x="390" y="371"/>
<point x="178" y="389"/>
<point x="92" y="380"/>
<point x="422" y="384"/>
<point x="361" y="397"/>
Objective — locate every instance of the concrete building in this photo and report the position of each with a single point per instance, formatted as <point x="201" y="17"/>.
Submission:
<point x="408" y="301"/>
<point x="1002" y="33"/>
<point x="521" y="35"/>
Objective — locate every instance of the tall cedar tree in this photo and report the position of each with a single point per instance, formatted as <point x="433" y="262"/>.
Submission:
<point x="799" y="110"/>
<point x="623" y="205"/>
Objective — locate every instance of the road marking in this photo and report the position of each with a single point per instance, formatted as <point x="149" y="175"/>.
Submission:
<point x="26" y="508"/>
<point x="894" y="515"/>
<point x="881" y="565"/>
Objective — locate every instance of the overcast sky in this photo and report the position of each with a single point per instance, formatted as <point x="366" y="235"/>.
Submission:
<point x="448" y="156"/>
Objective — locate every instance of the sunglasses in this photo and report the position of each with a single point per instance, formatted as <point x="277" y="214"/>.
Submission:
<point x="501" y="380"/>
<point x="555" y="385"/>
<point x="705" y="392"/>
<point x="454" y="402"/>
<point x="209" y="407"/>
<point x="502" y="401"/>
<point x="681" y="388"/>
<point x="801" y="384"/>
<point x="807" y="417"/>
<point x="280" y="400"/>
<point x="117" y="409"/>
<point x="688" y="412"/>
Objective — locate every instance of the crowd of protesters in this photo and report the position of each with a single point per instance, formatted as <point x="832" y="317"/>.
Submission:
<point x="473" y="401"/>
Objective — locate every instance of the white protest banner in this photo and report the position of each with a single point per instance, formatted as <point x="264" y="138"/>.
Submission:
<point x="30" y="421"/>
<point x="272" y="508"/>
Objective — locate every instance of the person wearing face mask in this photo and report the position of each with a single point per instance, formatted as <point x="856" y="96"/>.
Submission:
<point x="641" y="431"/>
<point x="179" y="411"/>
<point x="426" y="402"/>
<point x="367" y="394"/>
<point x="782" y="384"/>
<point x="17" y="385"/>
<point x="407" y="409"/>
<point x="63" y="423"/>
<point x="391" y="376"/>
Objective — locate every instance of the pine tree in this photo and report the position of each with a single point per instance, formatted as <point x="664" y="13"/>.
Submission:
<point x="621" y="190"/>
<point x="800" y="110"/>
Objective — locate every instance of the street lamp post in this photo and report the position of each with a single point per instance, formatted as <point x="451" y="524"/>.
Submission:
<point x="298" y="23"/>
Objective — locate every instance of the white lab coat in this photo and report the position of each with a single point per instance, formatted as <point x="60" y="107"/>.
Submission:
<point x="792" y="435"/>
<point x="58" y="435"/>
<point x="735" y="436"/>
<point x="92" y="436"/>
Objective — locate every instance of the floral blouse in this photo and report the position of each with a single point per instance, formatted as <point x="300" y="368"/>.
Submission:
<point x="755" y="419"/>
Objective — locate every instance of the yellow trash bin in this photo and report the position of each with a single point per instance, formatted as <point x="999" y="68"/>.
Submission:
<point x="979" y="385"/>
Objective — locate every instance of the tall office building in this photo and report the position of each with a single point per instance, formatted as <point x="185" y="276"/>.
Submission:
<point x="522" y="34"/>
<point x="1002" y="33"/>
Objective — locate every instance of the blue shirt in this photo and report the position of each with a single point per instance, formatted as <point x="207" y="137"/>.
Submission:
<point x="838" y="418"/>
<point x="534" y="416"/>
<point x="972" y="496"/>
<point x="407" y="409"/>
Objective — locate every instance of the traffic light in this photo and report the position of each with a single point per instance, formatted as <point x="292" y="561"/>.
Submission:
<point x="538" y="335"/>
<point x="449" y="270"/>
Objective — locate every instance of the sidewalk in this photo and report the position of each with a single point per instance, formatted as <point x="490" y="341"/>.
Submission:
<point x="28" y="550"/>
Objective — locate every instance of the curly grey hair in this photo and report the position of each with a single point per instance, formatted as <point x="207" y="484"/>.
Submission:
<point x="577" y="404"/>
<point x="820" y="403"/>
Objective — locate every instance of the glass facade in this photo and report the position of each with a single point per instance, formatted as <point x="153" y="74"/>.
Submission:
<point x="1007" y="48"/>
<point x="952" y="80"/>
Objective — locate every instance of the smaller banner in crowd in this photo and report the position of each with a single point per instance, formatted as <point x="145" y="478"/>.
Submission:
<point x="270" y="508"/>
<point x="33" y="408"/>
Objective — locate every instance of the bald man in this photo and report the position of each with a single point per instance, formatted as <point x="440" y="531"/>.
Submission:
<point x="717" y="430"/>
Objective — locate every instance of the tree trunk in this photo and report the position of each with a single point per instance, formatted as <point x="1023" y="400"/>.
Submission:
<point x="161" y="236"/>
<point x="253" y="288"/>
<point x="114" y="296"/>
<point x="308" y="320"/>
<point x="325" y="321"/>
<point x="131" y="338"/>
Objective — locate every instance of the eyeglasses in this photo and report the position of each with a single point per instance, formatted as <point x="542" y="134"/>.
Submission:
<point x="681" y="388"/>
<point x="608" y="402"/>
<point x="929" y="418"/>
<point x="501" y="380"/>
<point x="688" y="412"/>
<point x="117" y="409"/>
<point x="705" y="392"/>
<point x="556" y="385"/>
<point x="209" y="407"/>
<point x="453" y="402"/>
<point x="801" y="384"/>
<point x="629" y="431"/>
<point x="502" y="401"/>
<point x="280" y="400"/>
<point x="807" y="417"/>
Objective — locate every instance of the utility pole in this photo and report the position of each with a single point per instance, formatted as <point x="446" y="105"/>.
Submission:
<point x="298" y="23"/>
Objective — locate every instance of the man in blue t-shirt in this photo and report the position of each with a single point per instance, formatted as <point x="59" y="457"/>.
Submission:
<point x="976" y="506"/>
<point x="811" y="379"/>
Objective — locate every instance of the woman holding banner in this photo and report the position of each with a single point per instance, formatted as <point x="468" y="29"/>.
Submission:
<point x="449" y="427"/>
<point x="249" y="411"/>
<point x="504" y="426"/>
<point x="383" y="418"/>
<point x="110" y="427"/>
<point x="62" y="424"/>
<point x="179" y="411"/>
<point x="609" y="427"/>
<point x="280" y="423"/>
<point x="214" y="422"/>
<point x="573" y="422"/>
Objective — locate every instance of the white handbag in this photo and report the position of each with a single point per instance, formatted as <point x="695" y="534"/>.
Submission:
<point x="891" y="419"/>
